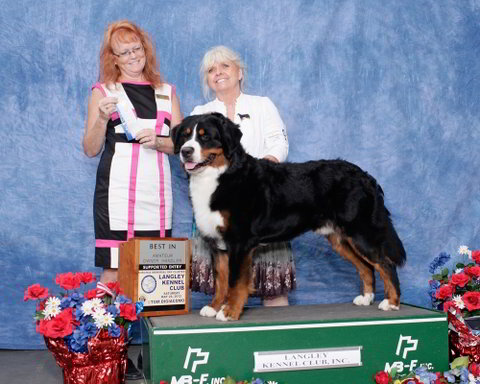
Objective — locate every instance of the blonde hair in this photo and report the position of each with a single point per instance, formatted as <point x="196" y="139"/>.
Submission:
<point x="219" y="54"/>
<point x="127" y="32"/>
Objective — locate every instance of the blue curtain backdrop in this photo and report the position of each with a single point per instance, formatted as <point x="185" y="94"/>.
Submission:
<point x="390" y="85"/>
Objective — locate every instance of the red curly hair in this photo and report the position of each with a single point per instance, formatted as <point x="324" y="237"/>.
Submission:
<point x="127" y="32"/>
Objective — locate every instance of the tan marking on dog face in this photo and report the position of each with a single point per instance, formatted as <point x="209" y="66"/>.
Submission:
<point x="188" y="131"/>
<point x="201" y="132"/>
<point x="219" y="160"/>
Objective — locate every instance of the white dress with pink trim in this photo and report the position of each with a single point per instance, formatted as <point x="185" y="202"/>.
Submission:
<point x="133" y="192"/>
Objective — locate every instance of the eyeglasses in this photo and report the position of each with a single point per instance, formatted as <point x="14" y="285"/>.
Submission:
<point x="128" y="52"/>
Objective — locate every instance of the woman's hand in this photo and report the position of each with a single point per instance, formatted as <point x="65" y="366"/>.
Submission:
<point x="147" y="137"/>
<point x="106" y="107"/>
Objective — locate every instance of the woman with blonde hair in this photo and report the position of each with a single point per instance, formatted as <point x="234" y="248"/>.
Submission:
<point x="130" y="114"/>
<point x="264" y="135"/>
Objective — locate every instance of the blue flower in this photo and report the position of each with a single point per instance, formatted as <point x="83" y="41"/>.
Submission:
<point x="450" y="378"/>
<point x="74" y="300"/>
<point x="438" y="261"/>
<point x="77" y="341"/>
<point x="120" y="299"/>
<point x="113" y="310"/>
<point x="88" y="328"/>
<point x="258" y="381"/>
<point x="139" y="306"/>
<point x="114" y="330"/>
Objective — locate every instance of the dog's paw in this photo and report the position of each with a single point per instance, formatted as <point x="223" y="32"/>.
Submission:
<point x="386" y="306"/>
<point x="366" y="299"/>
<point x="208" y="311"/>
<point x="222" y="317"/>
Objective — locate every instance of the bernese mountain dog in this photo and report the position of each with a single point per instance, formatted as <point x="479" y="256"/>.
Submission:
<point x="240" y="202"/>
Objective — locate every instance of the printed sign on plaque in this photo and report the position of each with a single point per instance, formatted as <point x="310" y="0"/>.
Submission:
<point x="156" y="272"/>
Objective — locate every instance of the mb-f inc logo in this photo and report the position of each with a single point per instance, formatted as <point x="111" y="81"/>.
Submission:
<point x="405" y="345"/>
<point x="193" y="359"/>
<point x="202" y="358"/>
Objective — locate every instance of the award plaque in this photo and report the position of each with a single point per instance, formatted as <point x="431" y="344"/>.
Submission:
<point x="156" y="272"/>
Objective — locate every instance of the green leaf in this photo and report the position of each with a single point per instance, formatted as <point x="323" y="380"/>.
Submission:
<point x="460" y="265"/>
<point x="393" y="372"/>
<point x="459" y="362"/>
<point x="445" y="272"/>
<point x="437" y="277"/>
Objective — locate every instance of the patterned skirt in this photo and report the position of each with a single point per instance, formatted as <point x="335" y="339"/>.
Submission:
<point x="273" y="269"/>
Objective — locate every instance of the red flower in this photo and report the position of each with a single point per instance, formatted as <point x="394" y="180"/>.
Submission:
<point x="128" y="311"/>
<point x="163" y="382"/>
<point x="34" y="292"/>
<point x="91" y="294"/>
<point x="85" y="277"/>
<point x="115" y="287"/>
<point x="448" y="304"/>
<point x="472" y="300"/>
<point x="60" y="326"/>
<point x="460" y="279"/>
<point x="444" y="291"/>
<point x="68" y="280"/>
<point x="474" y="369"/>
<point x="382" y="377"/>
<point x="476" y="256"/>
<point x="473" y="271"/>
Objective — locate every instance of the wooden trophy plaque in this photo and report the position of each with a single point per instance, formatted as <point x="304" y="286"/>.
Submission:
<point x="156" y="271"/>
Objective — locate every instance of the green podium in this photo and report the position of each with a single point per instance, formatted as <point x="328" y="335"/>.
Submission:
<point x="328" y="343"/>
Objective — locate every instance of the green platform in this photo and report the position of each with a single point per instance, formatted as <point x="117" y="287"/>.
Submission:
<point x="330" y="343"/>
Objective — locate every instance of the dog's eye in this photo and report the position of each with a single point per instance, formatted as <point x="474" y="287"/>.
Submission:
<point x="205" y="137"/>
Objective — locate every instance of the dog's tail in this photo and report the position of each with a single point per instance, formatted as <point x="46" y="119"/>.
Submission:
<point x="392" y="246"/>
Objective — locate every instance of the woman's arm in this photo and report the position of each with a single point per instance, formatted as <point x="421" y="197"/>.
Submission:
<point x="99" y="110"/>
<point x="275" y="133"/>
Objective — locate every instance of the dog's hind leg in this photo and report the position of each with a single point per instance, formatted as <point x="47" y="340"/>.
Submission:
<point x="388" y="273"/>
<point x="238" y="294"/>
<point x="364" y="269"/>
<point x="221" y="285"/>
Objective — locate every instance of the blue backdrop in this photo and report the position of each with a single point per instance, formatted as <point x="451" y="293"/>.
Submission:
<point x="390" y="85"/>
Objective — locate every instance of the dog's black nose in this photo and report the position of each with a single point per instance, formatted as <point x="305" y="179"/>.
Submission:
<point x="187" y="152"/>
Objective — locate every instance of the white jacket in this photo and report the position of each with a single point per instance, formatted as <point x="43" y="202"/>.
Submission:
<point x="263" y="131"/>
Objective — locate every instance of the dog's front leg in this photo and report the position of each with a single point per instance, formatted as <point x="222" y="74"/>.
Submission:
<point x="238" y="294"/>
<point x="221" y="285"/>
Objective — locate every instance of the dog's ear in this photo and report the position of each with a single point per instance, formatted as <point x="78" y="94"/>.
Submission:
<point x="230" y="133"/>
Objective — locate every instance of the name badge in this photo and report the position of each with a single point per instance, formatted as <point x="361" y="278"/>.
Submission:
<point x="163" y="97"/>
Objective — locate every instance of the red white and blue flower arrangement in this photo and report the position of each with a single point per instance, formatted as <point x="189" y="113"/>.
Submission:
<point x="458" y="291"/>
<point x="78" y="317"/>
<point x="458" y="294"/>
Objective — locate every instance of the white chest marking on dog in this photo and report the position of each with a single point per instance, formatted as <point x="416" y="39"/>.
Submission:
<point x="202" y="187"/>
<point x="325" y="230"/>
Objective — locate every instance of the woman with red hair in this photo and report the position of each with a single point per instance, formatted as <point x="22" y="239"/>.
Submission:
<point x="130" y="114"/>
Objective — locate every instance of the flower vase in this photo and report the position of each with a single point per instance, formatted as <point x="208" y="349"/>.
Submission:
<point x="462" y="341"/>
<point x="105" y="362"/>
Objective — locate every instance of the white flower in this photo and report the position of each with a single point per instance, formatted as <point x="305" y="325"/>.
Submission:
<point x="463" y="250"/>
<point x="50" y="312"/>
<point x="52" y="308"/>
<point x="103" y="319"/>
<point x="92" y="306"/>
<point x="457" y="299"/>
<point x="271" y="382"/>
<point x="459" y="270"/>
